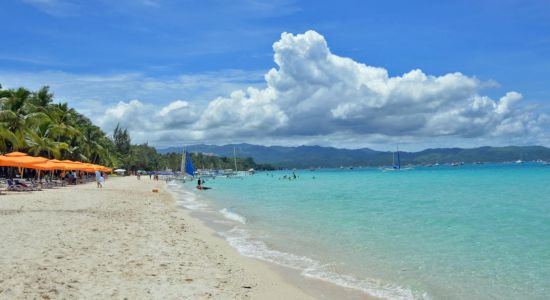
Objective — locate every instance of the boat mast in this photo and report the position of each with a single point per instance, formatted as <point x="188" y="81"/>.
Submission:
<point x="235" y="159"/>
<point x="398" y="158"/>
<point x="183" y="162"/>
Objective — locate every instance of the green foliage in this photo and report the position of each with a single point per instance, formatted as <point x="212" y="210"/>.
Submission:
<point x="122" y="140"/>
<point x="32" y="123"/>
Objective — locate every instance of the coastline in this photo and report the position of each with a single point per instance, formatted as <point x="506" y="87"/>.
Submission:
<point x="122" y="241"/>
<point x="219" y="221"/>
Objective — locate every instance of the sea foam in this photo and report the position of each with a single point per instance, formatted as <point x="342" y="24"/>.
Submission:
<point x="247" y="245"/>
<point x="233" y="216"/>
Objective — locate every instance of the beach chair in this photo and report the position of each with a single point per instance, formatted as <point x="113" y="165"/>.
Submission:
<point x="35" y="185"/>
<point x="12" y="186"/>
<point x="47" y="184"/>
<point x="27" y="185"/>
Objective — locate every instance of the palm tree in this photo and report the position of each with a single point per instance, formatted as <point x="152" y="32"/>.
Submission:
<point x="7" y="138"/>
<point x="40" y="140"/>
<point x="29" y="121"/>
<point x="19" y="116"/>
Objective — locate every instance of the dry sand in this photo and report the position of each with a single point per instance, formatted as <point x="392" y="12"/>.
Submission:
<point x="122" y="241"/>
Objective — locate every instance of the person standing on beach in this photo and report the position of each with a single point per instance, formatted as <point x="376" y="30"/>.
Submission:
<point x="98" y="179"/>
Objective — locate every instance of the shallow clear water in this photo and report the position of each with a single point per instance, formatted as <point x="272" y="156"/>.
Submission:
<point x="469" y="232"/>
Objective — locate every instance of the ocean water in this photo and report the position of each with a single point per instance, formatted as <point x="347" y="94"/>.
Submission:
<point x="468" y="232"/>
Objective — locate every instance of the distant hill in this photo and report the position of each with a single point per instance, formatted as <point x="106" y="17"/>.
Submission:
<point x="317" y="156"/>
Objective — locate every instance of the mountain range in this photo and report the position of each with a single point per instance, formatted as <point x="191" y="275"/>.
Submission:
<point x="329" y="157"/>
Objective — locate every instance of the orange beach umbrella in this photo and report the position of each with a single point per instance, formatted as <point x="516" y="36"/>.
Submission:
<point x="21" y="161"/>
<point x="46" y="166"/>
<point x="16" y="154"/>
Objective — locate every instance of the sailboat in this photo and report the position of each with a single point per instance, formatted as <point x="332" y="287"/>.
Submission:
<point x="188" y="167"/>
<point x="396" y="166"/>
<point x="235" y="173"/>
<point x="187" y="171"/>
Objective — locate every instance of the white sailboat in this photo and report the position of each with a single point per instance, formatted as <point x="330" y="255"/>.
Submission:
<point x="396" y="166"/>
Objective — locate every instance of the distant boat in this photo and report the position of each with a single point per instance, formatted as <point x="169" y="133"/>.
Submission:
<point x="187" y="167"/>
<point x="519" y="161"/>
<point x="396" y="166"/>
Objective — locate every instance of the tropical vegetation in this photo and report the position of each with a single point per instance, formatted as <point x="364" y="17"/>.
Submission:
<point x="31" y="122"/>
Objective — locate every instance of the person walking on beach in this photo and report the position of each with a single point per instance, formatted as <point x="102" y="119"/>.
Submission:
<point x="98" y="179"/>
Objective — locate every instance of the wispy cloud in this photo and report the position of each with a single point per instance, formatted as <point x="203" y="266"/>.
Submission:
<point x="33" y="60"/>
<point x="106" y="89"/>
<point x="58" y="8"/>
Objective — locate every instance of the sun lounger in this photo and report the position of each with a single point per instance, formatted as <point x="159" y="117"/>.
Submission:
<point x="12" y="186"/>
<point x="28" y="185"/>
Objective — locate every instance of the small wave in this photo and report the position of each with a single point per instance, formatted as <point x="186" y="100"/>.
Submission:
<point x="233" y="216"/>
<point x="185" y="198"/>
<point x="248" y="246"/>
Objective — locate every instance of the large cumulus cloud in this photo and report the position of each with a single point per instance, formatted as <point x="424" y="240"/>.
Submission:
<point x="313" y="92"/>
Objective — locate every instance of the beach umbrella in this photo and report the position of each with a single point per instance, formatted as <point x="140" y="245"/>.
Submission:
<point x="67" y="166"/>
<point x="46" y="166"/>
<point x="16" y="154"/>
<point x="21" y="161"/>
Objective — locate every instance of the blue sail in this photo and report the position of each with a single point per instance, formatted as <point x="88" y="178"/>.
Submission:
<point x="398" y="160"/>
<point x="189" y="165"/>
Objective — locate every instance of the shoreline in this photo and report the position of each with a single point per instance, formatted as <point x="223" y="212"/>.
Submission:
<point x="122" y="241"/>
<point x="208" y="217"/>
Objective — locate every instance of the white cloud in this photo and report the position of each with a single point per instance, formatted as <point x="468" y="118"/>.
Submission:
<point x="314" y="92"/>
<point x="312" y="96"/>
<point x="138" y="116"/>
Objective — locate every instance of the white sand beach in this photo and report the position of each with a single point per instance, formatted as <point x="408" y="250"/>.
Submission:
<point x="122" y="242"/>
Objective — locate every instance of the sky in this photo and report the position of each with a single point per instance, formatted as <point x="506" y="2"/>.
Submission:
<point x="424" y="74"/>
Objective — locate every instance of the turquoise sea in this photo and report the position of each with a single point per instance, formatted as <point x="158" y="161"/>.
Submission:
<point x="468" y="232"/>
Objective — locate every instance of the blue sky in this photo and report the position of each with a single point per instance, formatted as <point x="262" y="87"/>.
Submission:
<point x="222" y="46"/>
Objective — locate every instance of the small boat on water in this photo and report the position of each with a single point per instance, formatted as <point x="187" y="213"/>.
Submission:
<point x="396" y="166"/>
<point x="187" y="171"/>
